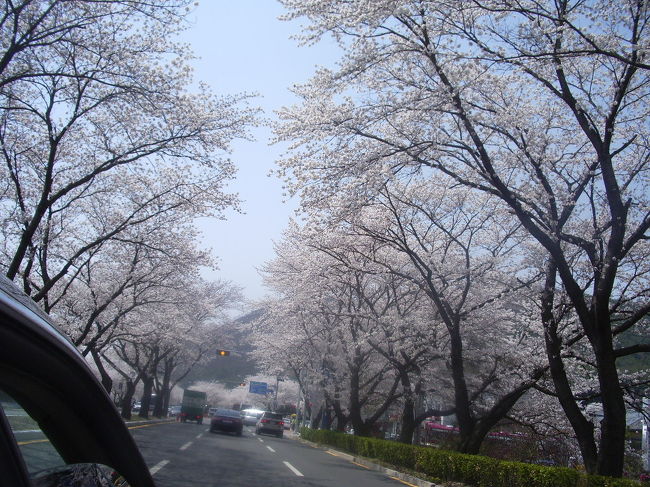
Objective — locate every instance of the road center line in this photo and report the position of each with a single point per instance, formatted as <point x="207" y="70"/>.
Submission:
<point x="158" y="466"/>
<point x="404" y="482"/>
<point x="293" y="469"/>
<point x="271" y="449"/>
<point x="186" y="445"/>
<point x="29" y="442"/>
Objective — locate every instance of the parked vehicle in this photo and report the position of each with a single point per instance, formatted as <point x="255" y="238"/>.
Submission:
<point x="270" y="423"/>
<point x="46" y="387"/>
<point x="192" y="406"/>
<point x="287" y="422"/>
<point x="228" y="420"/>
<point x="174" y="411"/>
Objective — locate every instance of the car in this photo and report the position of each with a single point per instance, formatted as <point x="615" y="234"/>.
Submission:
<point x="56" y="419"/>
<point x="228" y="420"/>
<point x="250" y="416"/>
<point x="287" y="422"/>
<point x="174" y="411"/>
<point x="270" y="423"/>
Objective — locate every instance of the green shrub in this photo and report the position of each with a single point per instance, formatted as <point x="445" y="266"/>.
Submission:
<point x="600" y="481"/>
<point x="474" y="470"/>
<point x="514" y="473"/>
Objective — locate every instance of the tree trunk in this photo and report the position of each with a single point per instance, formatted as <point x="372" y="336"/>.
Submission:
<point x="315" y="420"/>
<point x="360" y="427"/>
<point x="158" y="411"/>
<point x="145" y="402"/>
<point x="583" y="429"/>
<point x="612" y="438"/>
<point x="107" y="381"/>
<point x="127" y="399"/>
<point x="409" y="424"/>
<point x="326" y="421"/>
<point x="165" y="390"/>
<point x="341" y="418"/>
<point x="466" y="421"/>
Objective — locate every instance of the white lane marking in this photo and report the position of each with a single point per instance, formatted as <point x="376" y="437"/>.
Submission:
<point x="293" y="469"/>
<point x="186" y="445"/>
<point x="260" y="440"/>
<point x="199" y="436"/>
<point x="270" y="449"/>
<point x="158" y="466"/>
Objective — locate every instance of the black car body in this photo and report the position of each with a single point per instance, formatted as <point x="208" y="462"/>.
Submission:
<point x="43" y="374"/>
<point x="228" y="420"/>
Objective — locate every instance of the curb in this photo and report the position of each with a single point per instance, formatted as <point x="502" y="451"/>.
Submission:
<point x="406" y="478"/>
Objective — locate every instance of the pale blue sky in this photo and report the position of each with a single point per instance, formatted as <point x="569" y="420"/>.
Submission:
<point x="245" y="48"/>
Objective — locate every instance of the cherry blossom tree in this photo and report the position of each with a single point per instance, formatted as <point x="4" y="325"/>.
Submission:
<point x="321" y="302"/>
<point x="99" y="132"/>
<point x="161" y="342"/>
<point x="541" y="104"/>
<point x="463" y="256"/>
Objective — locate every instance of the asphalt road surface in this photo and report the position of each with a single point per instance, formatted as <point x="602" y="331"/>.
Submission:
<point x="188" y="455"/>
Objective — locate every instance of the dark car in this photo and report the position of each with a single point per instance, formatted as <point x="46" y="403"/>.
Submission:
<point x="270" y="423"/>
<point x="56" y="420"/>
<point x="228" y="420"/>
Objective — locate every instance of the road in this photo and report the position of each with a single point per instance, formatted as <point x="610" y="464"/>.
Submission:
<point x="188" y="455"/>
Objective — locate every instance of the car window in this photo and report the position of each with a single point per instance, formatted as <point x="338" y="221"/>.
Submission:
<point x="228" y="412"/>
<point x="37" y="451"/>
<point x="273" y="415"/>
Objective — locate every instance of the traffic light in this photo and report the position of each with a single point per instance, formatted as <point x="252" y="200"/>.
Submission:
<point x="223" y="353"/>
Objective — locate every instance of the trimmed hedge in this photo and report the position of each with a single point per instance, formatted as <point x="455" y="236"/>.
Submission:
<point x="474" y="470"/>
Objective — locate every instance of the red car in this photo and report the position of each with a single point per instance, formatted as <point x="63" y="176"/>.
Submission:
<point x="228" y="420"/>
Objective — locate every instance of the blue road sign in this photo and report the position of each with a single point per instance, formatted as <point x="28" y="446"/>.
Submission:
<point x="258" y="387"/>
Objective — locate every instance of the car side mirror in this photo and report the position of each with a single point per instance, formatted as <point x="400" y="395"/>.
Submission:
<point x="79" y="475"/>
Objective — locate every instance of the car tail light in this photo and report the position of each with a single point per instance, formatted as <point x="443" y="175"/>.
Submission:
<point x="281" y="423"/>
<point x="264" y="421"/>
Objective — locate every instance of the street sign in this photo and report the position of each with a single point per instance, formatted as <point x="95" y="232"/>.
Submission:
<point x="257" y="387"/>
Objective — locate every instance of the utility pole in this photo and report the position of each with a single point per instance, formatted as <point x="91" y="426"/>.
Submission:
<point x="645" y="435"/>
<point x="275" y="396"/>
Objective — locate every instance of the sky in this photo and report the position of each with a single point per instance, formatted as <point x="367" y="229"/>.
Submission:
<point x="243" y="47"/>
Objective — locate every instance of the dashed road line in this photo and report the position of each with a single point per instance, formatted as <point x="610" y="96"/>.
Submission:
<point x="293" y="469"/>
<point x="199" y="436"/>
<point x="186" y="445"/>
<point x="270" y="449"/>
<point x="158" y="466"/>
